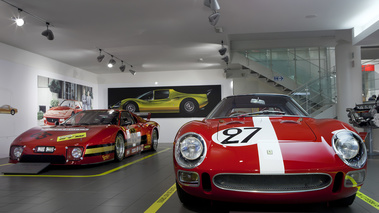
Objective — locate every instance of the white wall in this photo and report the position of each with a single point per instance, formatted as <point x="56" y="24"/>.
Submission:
<point x="169" y="126"/>
<point x="18" y="87"/>
<point x="19" y="70"/>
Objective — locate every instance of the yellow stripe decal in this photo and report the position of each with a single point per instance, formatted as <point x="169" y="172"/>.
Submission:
<point x="162" y="200"/>
<point x="368" y="200"/>
<point x="95" y="175"/>
<point x="71" y="136"/>
<point x="99" y="150"/>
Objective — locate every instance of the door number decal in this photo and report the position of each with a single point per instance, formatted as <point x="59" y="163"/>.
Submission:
<point x="237" y="136"/>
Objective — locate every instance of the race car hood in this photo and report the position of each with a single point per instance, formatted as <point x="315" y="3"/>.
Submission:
<point x="73" y="135"/>
<point x="59" y="111"/>
<point x="245" y="130"/>
<point x="268" y="145"/>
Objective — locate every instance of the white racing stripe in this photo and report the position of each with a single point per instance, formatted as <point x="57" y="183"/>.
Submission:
<point x="269" y="152"/>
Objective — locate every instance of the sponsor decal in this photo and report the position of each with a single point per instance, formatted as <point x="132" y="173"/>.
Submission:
<point x="71" y="136"/>
<point x="106" y="157"/>
<point x="147" y="147"/>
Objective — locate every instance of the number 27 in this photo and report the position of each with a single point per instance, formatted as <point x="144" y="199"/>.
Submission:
<point x="233" y="132"/>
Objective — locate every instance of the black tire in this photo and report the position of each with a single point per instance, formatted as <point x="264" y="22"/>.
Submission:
<point x="119" y="148"/>
<point x="13" y="112"/>
<point x="131" y="107"/>
<point x="344" y="202"/>
<point x="189" y="106"/>
<point x="154" y="140"/>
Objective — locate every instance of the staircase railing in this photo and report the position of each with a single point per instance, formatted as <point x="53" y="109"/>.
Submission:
<point x="316" y="86"/>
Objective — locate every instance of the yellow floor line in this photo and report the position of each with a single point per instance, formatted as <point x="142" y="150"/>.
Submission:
<point x="95" y="175"/>
<point x="6" y="164"/>
<point x="162" y="200"/>
<point x="368" y="200"/>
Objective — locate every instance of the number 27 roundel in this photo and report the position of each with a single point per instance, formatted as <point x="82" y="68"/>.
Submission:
<point x="237" y="136"/>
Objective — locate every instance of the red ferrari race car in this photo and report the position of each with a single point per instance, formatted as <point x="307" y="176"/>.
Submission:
<point x="91" y="136"/>
<point x="60" y="113"/>
<point x="263" y="148"/>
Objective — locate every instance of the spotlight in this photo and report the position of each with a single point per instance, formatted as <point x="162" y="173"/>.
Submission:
<point x="223" y="49"/>
<point x="132" y="71"/>
<point x="226" y="59"/>
<point x="48" y="33"/>
<point x="100" y="57"/>
<point x="213" y="4"/>
<point x="19" y="21"/>
<point x="122" y="67"/>
<point x="213" y="18"/>
<point x="111" y="62"/>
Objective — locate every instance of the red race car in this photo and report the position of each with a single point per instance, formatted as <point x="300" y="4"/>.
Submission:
<point x="263" y="148"/>
<point x="90" y="136"/>
<point x="60" y="113"/>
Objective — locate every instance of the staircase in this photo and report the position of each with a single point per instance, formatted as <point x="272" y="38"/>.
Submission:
<point x="303" y="78"/>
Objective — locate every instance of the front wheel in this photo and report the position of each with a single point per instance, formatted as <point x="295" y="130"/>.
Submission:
<point x="119" y="148"/>
<point x="154" y="140"/>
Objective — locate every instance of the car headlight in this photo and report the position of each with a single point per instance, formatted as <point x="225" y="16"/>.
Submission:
<point x="190" y="150"/>
<point x="16" y="152"/>
<point x="350" y="148"/>
<point x="74" y="153"/>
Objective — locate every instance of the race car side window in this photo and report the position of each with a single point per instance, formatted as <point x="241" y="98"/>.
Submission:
<point x="126" y="118"/>
<point x="161" y="94"/>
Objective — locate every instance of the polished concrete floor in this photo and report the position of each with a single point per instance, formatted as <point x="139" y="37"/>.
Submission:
<point x="140" y="183"/>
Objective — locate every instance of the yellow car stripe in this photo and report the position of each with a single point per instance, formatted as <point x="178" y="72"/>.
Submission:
<point x="97" y="150"/>
<point x="72" y="136"/>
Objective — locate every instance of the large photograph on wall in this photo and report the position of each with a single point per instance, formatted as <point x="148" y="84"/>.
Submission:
<point x="59" y="100"/>
<point x="166" y="102"/>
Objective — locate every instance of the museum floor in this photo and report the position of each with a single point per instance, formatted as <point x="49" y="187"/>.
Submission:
<point x="141" y="183"/>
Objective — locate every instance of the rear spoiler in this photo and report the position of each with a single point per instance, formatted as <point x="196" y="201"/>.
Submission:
<point x="146" y="115"/>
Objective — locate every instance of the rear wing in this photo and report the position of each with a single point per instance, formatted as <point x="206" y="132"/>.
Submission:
<point x="146" y="115"/>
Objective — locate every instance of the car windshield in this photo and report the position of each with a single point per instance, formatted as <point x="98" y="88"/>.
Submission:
<point x="146" y="96"/>
<point x="256" y="105"/>
<point x="93" y="117"/>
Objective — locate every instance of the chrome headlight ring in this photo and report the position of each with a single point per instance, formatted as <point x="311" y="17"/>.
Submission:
<point x="350" y="148"/>
<point x="190" y="150"/>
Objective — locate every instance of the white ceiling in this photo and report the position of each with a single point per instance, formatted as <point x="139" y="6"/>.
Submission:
<point x="170" y="35"/>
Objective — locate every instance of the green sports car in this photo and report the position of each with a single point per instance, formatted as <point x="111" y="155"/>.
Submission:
<point x="164" y="101"/>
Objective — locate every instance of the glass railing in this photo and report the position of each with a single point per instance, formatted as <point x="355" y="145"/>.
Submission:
<point x="308" y="68"/>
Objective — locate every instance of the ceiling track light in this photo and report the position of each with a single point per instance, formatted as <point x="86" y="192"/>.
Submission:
<point x="213" y="18"/>
<point x="48" y="33"/>
<point x="122" y="67"/>
<point x="19" y="21"/>
<point x="226" y="59"/>
<point x="213" y="4"/>
<point x="100" y="57"/>
<point x="112" y="61"/>
<point x="223" y="49"/>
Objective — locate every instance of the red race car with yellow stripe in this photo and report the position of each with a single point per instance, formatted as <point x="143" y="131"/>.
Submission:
<point x="88" y="137"/>
<point x="264" y="148"/>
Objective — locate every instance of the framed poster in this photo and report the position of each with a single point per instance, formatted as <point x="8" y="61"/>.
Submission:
<point x="166" y="102"/>
<point x="59" y="100"/>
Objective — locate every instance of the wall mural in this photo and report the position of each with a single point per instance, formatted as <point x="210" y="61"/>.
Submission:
<point x="163" y="102"/>
<point x="59" y="100"/>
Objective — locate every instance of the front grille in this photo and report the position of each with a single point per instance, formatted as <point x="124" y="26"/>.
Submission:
<point x="272" y="183"/>
<point x="53" y="159"/>
<point x="52" y="120"/>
